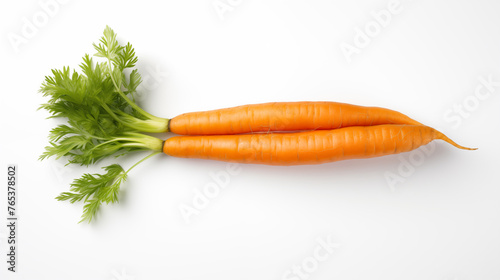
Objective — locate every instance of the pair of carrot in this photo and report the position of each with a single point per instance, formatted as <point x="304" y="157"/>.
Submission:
<point x="104" y="121"/>
<point x="314" y="133"/>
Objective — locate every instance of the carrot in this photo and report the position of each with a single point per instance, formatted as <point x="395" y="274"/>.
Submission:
<point x="311" y="147"/>
<point x="284" y="116"/>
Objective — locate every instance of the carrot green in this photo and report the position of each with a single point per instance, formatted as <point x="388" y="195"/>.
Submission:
<point x="102" y="120"/>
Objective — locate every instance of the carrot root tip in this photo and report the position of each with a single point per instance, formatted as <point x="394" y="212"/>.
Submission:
<point x="445" y="138"/>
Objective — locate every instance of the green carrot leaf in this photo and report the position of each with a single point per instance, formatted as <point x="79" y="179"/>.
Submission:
<point x="95" y="189"/>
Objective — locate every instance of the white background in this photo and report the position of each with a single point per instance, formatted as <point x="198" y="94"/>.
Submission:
<point x="439" y="220"/>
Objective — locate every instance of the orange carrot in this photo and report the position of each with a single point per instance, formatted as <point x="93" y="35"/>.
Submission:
<point x="284" y="116"/>
<point x="312" y="147"/>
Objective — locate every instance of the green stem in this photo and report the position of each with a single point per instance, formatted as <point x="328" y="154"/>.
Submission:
<point x="138" y="140"/>
<point x="106" y="107"/>
<point x="152" y="126"/>
<point x="102" y="130"/>
<point x="136" y="145"/>
<point x="137" y="163"/>
<point x="130" y="102"/>
<point x="104" y="143"/>
<point x="157" y="125"/>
